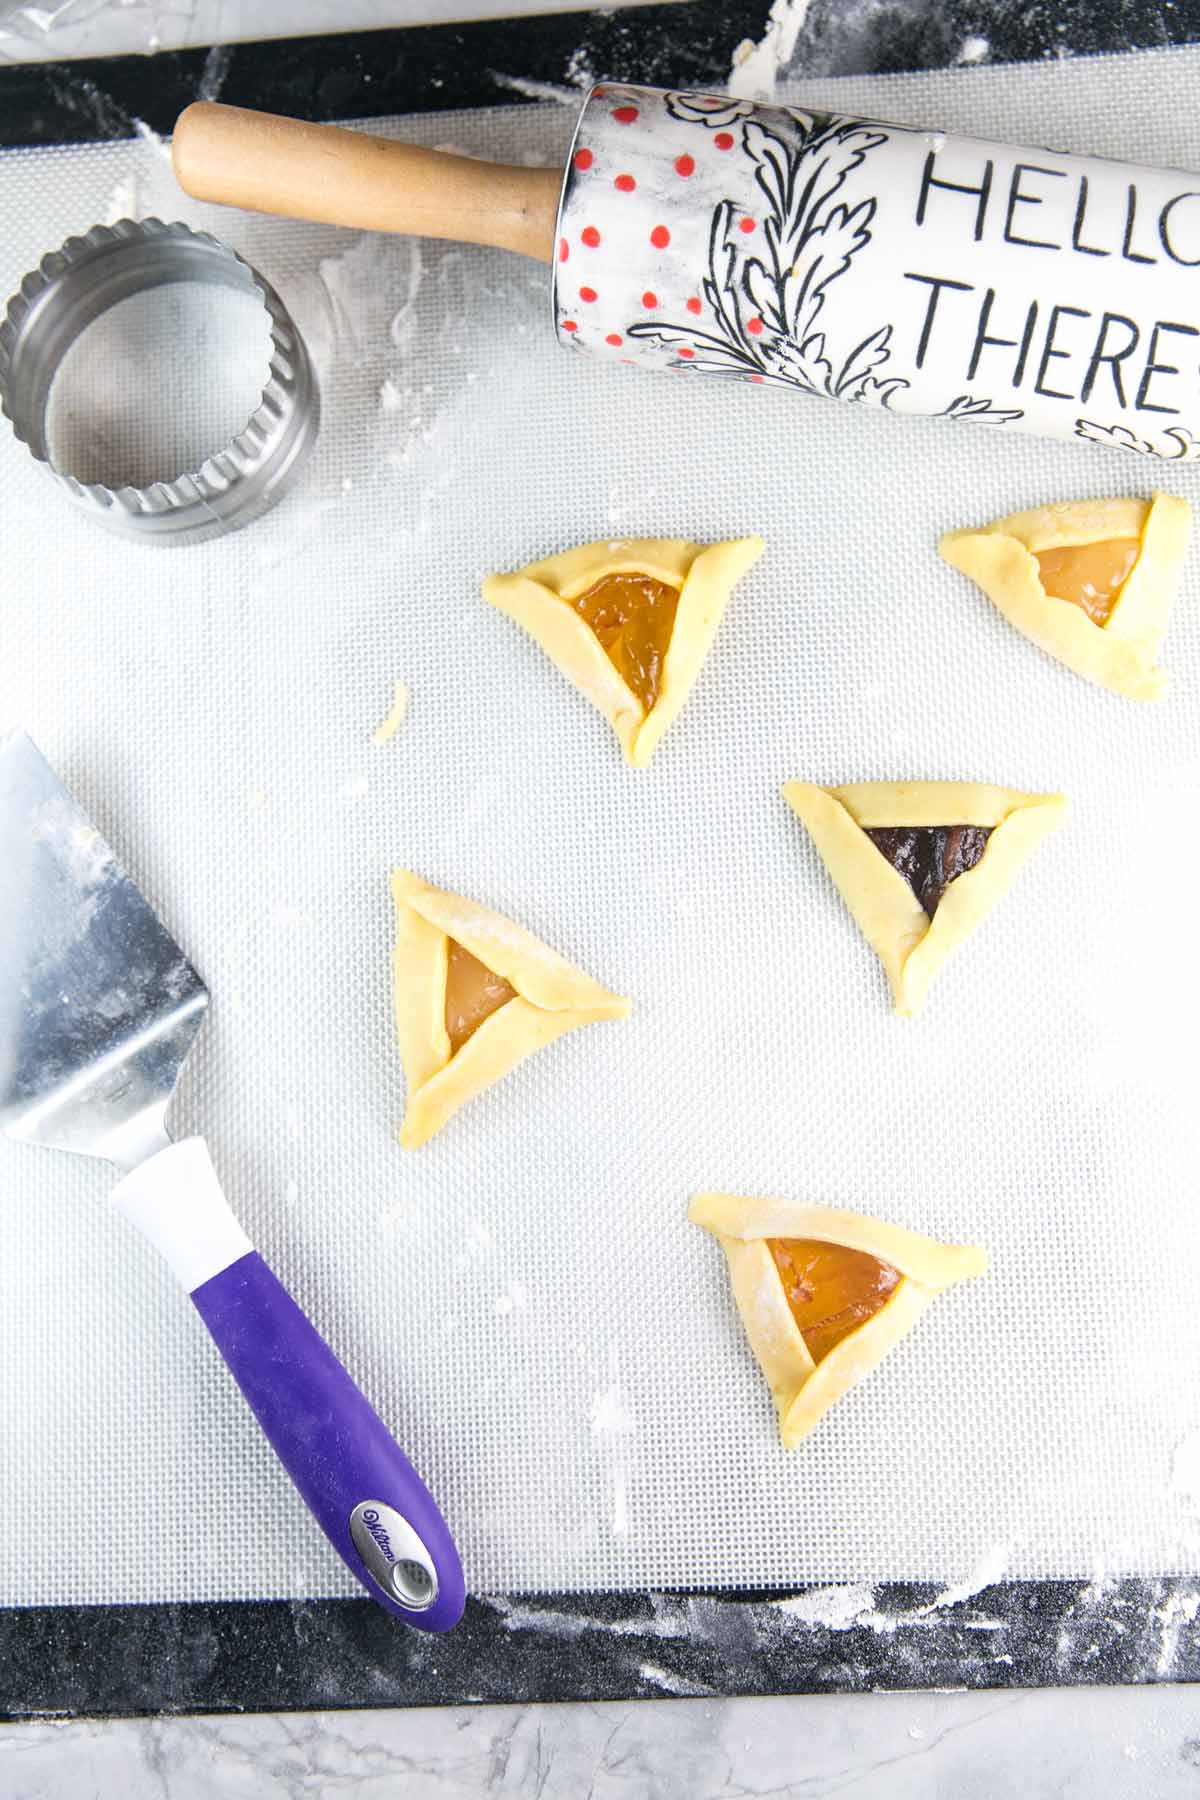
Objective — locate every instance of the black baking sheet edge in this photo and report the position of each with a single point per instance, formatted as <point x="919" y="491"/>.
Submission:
<point x="267" y="1656"/>
<point x="349" y="75"/>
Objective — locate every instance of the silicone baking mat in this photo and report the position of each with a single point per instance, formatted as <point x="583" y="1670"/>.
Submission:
<point x="524" y="1299"/>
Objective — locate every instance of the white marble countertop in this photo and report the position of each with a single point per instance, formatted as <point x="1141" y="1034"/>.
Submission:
<point x="1080" y="1742"/>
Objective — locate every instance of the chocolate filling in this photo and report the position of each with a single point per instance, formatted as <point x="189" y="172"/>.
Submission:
<point x="930" y="857"/>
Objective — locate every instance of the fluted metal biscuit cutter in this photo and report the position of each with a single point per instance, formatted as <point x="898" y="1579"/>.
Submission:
<point x="72" y="287"/>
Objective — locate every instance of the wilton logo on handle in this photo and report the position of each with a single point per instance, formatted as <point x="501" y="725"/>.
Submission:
<point x="394" y="1555"/>
<point x="371" y="1520"/>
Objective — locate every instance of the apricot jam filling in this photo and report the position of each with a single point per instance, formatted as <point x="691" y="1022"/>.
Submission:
<point x="633" y="616"/>
<point x="473" y="993"/>
<point x="1090" y="576"/>
<point x="831" y="1289"/>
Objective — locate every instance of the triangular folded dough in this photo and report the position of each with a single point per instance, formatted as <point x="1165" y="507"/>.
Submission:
<point x="858" y="1287"/>
<point x="1111" y="632"/>
<point x="676" y="592"/>
<point x="911" y="944"/>
<point x="524" y="996"/>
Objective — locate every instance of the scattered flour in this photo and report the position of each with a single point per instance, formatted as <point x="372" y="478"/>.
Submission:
<point x="152" y="138"/>
<point x="612" y="1426"/>
<point x="668" y="1682"/>
<point x="361" y="286"/>
<point x="1176" y="1611"/>
<point x="610" y="1412"/>
<point x="403" y="328"/>
<point x="216" y="68"/>
<point x="536" y="90"/>
<point x="839" y="1608"/>
<point x="1185" y="1473"/>
<point x="834" y="1608"/>
<point x="757" y="67"/>
<point x="580" y="77"/>
<point x="126" y="200"/>
<point x="986" y="1573"/>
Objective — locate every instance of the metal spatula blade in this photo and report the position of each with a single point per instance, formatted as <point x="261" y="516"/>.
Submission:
<point x="98" y="1010"/>
<point x="99" y="1006"/>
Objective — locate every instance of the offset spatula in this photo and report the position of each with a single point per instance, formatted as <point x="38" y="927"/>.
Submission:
<point x="99" y="1008"/>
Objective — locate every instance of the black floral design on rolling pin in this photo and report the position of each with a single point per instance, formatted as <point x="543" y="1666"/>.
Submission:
<point x="982" y="412"/>
<point x="768" y="307"/>
<point x="1181" y="447"/>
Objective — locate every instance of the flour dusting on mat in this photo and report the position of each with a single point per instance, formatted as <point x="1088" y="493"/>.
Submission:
<point x="610" y="1413"/>
<point x="403" y="328"/>
<point x="151" y="137"/>
<point x="989" y="1570"/>
<point x="1185" y="1473"/>
<point x="126" y="200"/>
<point x="612" y="1426"/>
<point x="513" y="1297"/>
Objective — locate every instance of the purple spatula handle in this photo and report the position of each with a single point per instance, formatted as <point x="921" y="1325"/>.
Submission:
<point x="365" y="1494"/>
<point x="334" y="1445"/>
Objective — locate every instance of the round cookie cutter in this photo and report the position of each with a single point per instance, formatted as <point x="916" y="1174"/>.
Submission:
<point x="72" y="287"/>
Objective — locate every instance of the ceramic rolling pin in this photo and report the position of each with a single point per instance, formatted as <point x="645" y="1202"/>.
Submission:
<point x="921" y="271"/>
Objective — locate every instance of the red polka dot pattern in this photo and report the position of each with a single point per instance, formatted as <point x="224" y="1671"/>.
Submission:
<point x="646" y="227"/>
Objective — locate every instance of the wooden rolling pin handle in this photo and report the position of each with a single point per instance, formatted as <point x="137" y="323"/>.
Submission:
<point x="338" y="177"/>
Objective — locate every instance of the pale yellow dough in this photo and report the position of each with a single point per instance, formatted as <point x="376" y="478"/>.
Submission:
<point x="911" y="946"/>
<point x="552" y="998"/>
<point x="1121" y="654"/>
<point x="804" y="1390"/>
<point x="705" y="576"/>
